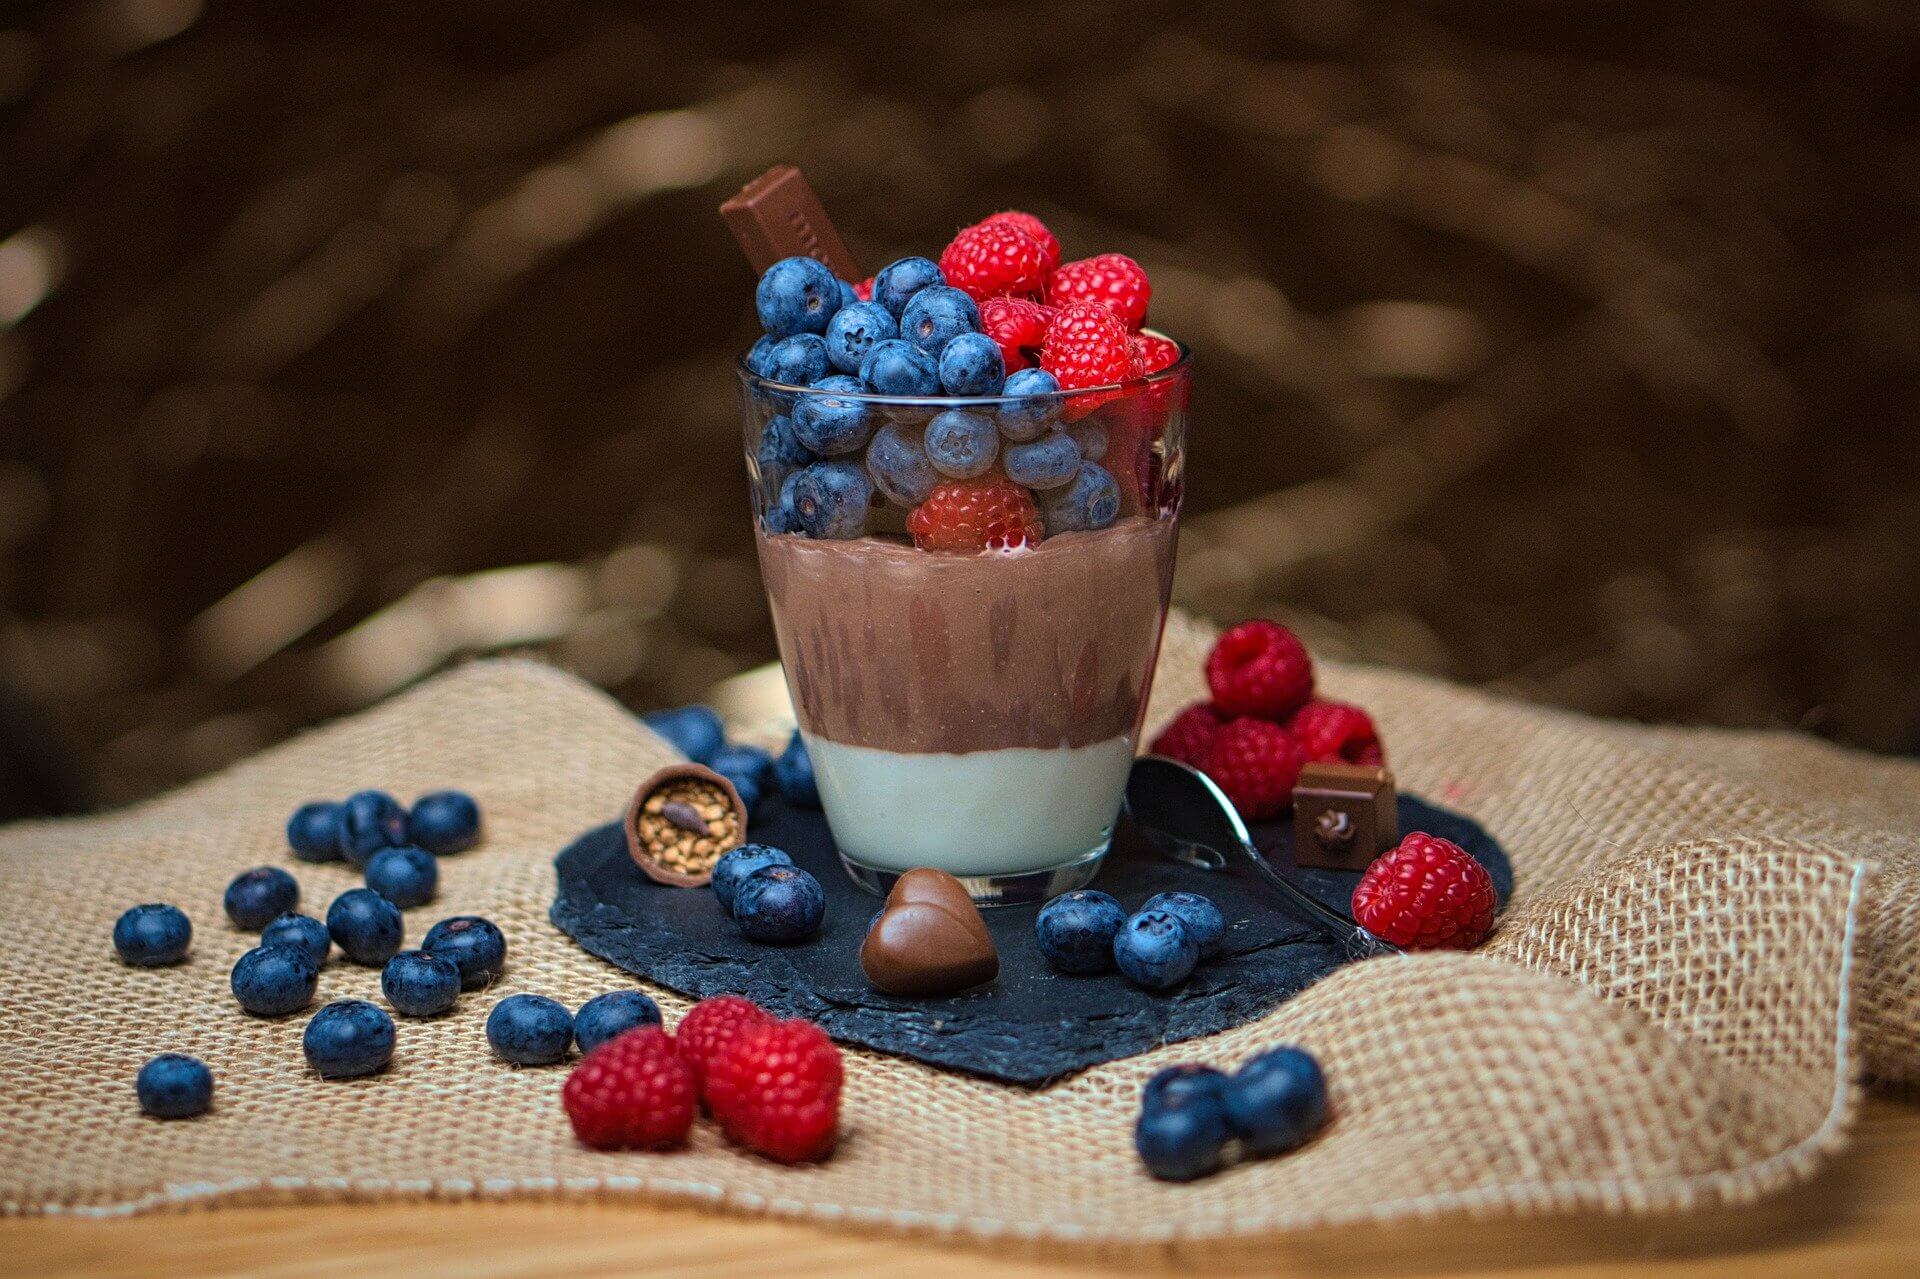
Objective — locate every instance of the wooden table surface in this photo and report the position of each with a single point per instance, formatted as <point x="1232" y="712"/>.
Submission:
<point x="1861" y="1217"/>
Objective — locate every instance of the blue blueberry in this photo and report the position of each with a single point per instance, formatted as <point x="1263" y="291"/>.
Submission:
<point x="779" y="454"/>
<point x="1047" y="463"/>
<point x="1184" y="1138"/>
<point x="614" y="1013"/>
<point x="737" y="863"/>
<point x="694" y="731"/>
<point x="256" y="896"/>
<point x="757" y="355"/>
<point x="1037" y="406"/>
<point x="272" y="981"/>
<point x="830" y="499"/>
<point x="962" y="444"/>
<point x="418" y="984"/>
<point x="897" y="367"/>
<point x="475" y="945"/>
<point x="530" y="1030"/>
<point x="1177" y="1084"/>
<point x="1091" y="501"/>
<point x="855" y="331"/>
<point x="793" y="772"/>
<point x="796" y="295"/>
<point x="779" y="905"/>
<point x="1091" y="435"/>
<point x="153" y="935"/>
<point x="1203" y="919"/>
<point x="834" y="419"/>
<point x="370" y="821"/>
<point x="1153" y="949"/>
<point x="316" y="831"/>
<point x="1076" y="930"/>
<point x="747" y="767"/>
<point x="348" y="1037"/>
<point x="445" y="822"/>
<point x="936" y="315"/>
<point x="898" y="463"/>
<point x="302" y="932"/>
<point x="797" y="361"/>
<point x="174" y="1086"/>
<point x="971" y="364"/>
<point x="365" y="926"/>
<point x="407" y="877"/>
<point x="897" y="282"/>
<point x="1277" y="1100"/>
<point x="847" y="297"/>
<point x="779" y="517"/>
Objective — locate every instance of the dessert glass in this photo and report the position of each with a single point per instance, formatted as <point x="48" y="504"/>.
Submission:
<point x="975" y="711"/>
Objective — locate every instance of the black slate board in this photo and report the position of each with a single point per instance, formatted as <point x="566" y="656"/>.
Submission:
<point x="1030" y="1026"/>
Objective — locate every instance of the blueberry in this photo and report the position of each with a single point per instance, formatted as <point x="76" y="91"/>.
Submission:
<point x="272" y="981"/>
<point x="898" y="463"/>
<point x="779" y="518"/>
<point x="1075" y="931"/>
<point x="694" y="731"/>
<point x="152" y="935"/>
<point x="614" y="1013"/>
<point x="757" y="356"/>
<point x="936" y="315"/>
<point x="407" y="877"/>
<point x="370" y="821"/>
<point x="316" y="831"/>
<point x="830" y="499"/>
<point x="1047" y="463"/>
<point x="962" y="444"/>
<point x="1091" y="435"/>
<point x="1179" y="1141"/>
<point x="1203" y="919"/>
<point x="898" y="367"/>
<point x="348" y="1037"/>
<point x="1038" y="405"/>
<point x="174" y="1086"/>
<point x="418" y="984"/>
<point x="530" y="1030"/>
<point x="854" y="332"/>
<point x="1277" y="1100"/>
<point x="737" y="863"/>
<point x="896" y="283"/>
<point x="256" y="896"/>
<point x="797" y="361"/>
<point x="834" y="419"/>
<point x="1177" y="1084"/>
<point x="749" y="768"/>
<point x="779" y="904"/>
<point x="971" y="364"/>
<point x="476" y="947"/>
<point x="447" y="821"/>
<point x="796" y="295"/>
<point x="1154" y="949"/>
<point x="302" y="932"/>
<point x="793" y="772"/>
<point x="1091" y="501"/>
<point x="365" y="926"/>
<point x="779" y="454"/>
<point x="847" y="297"/>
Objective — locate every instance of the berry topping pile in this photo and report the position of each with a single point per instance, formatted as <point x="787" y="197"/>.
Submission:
<point x="998" y="321"/>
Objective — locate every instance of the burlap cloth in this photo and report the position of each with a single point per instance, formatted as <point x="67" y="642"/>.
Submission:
<point x="1712" y="934"/>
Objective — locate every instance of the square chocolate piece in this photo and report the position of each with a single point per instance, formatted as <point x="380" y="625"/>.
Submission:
<point x="1343" y="816"/>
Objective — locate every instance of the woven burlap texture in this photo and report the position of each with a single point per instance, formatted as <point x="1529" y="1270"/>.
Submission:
<point x="1665" y="1018"/>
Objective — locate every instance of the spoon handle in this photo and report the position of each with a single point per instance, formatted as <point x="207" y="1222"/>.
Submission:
<point x="1355" y="941"/>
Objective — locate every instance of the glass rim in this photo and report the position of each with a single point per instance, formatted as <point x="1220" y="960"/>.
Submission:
<point x="1178" y="368"/>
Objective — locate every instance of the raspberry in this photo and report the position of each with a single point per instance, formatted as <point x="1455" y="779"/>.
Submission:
<point x="991" y="513"/>
<point x="1336" y="732"/>
<point x="1156" y="352"/>
<point x="631" y="1093"/>
<point x="1086" y="346"/>
<point x="1189" y="735"/>
<point x="864" y="290"/>
<point x="1256" y="764"/>
<point x="1259" y="668"/>
<point x="1049" y="242"/>
<point x="1112" y="279"/>
<point x="713" y="1024"/>
<point x="776" y="1089"/>
<point x="990" y="259"/>
<point x="1427" y="894"/>
<point x="1018" y="326"/>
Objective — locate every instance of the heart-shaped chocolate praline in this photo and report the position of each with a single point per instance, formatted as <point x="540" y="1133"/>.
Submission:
<point x="930" y="939"/>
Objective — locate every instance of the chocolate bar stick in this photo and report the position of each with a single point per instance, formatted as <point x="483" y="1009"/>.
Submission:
<point x="777" y="215"/>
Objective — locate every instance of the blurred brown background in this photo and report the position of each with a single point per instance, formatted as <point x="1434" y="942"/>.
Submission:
<point x="1565" y="347"/>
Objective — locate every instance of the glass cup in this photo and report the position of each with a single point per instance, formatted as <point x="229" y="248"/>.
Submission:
<point x="971" y="710"/>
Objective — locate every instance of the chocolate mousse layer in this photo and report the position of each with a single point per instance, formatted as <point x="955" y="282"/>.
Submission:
<point x="907" y="650"/>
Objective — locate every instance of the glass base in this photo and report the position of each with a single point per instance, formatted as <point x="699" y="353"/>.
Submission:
<point x="995" y="890"/>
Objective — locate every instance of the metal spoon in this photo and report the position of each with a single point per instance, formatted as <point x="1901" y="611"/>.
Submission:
<point x="1183" y="814"/>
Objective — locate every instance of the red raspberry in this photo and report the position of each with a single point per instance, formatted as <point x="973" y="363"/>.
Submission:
<point x="1086" y="346"/>
<point x="1189" y="735"/>
<point x="1019" y="326"/>
<point x="990" y="513"/>
<point x="631" y="1093"/>
<point x="1259" y="668"/>
<point x="1336" y="732"/>
<point x="1156" y="352"/>
<point x="1113" y="279"/>
<point x="776" y="1090"/>
<point x="1256" y="763"/>
<point x="864" y="290"/>
<point x="1427" y="894"/>
<point x="713" y="1024"/>
<point x="990" y="259"/>
<point x="1049" y="242"/>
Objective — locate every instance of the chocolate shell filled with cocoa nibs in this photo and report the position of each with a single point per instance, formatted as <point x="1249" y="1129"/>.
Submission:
<point x="680" y="821"/>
